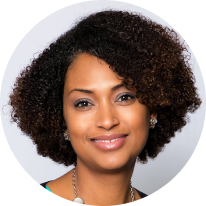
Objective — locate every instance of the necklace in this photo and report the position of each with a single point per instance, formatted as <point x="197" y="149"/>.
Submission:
<point x="81" y="201"/>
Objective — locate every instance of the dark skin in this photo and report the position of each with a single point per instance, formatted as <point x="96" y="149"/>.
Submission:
<point x="102" y="176"/>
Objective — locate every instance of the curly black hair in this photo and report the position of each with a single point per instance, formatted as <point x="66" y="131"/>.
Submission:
<point x="147" y="55"/>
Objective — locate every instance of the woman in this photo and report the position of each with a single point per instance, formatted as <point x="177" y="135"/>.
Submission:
<point x="112" y="90"/>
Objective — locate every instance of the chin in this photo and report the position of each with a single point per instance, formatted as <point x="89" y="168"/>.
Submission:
<point x="113" y="163"/>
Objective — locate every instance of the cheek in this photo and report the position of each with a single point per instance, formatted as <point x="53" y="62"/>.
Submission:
<point x="140" y="132"/>
<point x="137" y="119"/>
<point x="75" y="125"/>
<point x="78" y="127"/>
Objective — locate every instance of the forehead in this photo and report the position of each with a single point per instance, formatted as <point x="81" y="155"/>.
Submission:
<point x="90" y="71"/>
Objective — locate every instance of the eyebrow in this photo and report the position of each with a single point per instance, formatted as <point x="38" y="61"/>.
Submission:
<point x="91" y="92"/>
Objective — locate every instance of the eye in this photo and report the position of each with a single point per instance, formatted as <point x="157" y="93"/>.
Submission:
<point x="84" y="103"/>
<point x="125" y="98"/>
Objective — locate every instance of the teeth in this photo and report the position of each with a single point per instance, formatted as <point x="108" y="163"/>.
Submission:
<point x="114" y="139"/>
<point x="107" y="141"/>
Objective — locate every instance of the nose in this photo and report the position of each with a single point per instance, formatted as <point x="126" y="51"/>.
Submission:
<point x="106" y="116"/>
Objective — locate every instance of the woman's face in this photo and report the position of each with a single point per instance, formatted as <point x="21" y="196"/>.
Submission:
<point x="108" y="127"/>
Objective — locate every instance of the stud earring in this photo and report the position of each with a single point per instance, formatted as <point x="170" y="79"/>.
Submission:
<point x="66" y="136"/>
<point x="152" y="123"/>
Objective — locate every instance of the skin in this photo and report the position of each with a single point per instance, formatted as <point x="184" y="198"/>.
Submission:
<point x="102" y="176"/>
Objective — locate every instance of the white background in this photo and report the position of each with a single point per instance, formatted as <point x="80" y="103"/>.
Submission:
<point x="149" y="177"/>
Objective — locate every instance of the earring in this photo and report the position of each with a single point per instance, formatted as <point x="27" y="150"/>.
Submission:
<point x="152" y="123"/>
<point x="66" y="136"/>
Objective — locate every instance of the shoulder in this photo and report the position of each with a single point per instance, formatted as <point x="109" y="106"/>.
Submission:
<point x="61" y="186"/>
<point x="142" y="195"/>
<point x="44" y="183"/>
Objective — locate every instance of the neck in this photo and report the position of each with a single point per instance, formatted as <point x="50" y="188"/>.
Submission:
<point x="103" y="187"/>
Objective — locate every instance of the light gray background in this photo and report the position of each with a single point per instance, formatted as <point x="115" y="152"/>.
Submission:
<point x="147" y="178"/>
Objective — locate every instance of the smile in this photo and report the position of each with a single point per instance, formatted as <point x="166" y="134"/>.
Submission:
<point x="114" y="141"/>
<point x="107" y="141"/>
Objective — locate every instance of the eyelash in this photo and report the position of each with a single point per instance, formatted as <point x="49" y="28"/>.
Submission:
<point x="86" y="101"/>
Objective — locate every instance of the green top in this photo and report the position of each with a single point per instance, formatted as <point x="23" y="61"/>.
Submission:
<point x="48" y="189"/>
<point x="142" y="195"/>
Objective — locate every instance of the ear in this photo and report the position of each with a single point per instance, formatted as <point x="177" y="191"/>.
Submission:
<point x="153" y="115"/>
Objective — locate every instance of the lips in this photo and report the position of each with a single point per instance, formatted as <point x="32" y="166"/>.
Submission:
<point x="109" y="137"/>
<point x="113" y="141"/>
